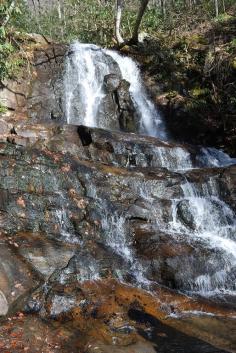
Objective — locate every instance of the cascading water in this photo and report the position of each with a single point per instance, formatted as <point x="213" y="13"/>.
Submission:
<point x="86" y="67"/>
<point x="211" y="224"/>
<point x="198" y="214"/>
<point x="115" y="236"/>
<point x="151" y="121"/>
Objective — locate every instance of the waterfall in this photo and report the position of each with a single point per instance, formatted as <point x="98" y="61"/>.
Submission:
<point x="213" y="227"/>
<point x="197" y="214"/>
<point x="151" y="121"/>
<point x="85" y="69"/>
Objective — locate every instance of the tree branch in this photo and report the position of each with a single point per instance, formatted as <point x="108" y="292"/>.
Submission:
<point x="9" y="12"/>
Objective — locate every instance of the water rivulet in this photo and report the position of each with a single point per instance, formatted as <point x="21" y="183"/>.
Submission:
<point x="196" y="214"/>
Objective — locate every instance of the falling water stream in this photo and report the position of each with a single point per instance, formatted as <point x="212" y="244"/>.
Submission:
<point x="213" y="222"/>
<point x="86" y="67"/>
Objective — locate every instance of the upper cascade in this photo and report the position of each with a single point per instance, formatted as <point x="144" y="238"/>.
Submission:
<point x="104" y="89"/>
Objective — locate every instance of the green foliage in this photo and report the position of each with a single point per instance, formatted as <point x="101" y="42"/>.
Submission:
<point x="87" y="21"/>
<point x="199" y="92"/>
<point x="10" y="61"/>
<point x="7" y="11"/>
<point x="198" y="105"/>
<point x="93" y="20"/>
<point x="3" y="109"/>
<point x="224" y="17"/>
<point x="232" y="46"/>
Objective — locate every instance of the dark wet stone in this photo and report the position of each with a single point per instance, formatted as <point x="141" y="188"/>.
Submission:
<point x="85" y="135"/>
<point x="168" y="339"/>
<point x="111" y="82"/>
<point x="185" y="215"/>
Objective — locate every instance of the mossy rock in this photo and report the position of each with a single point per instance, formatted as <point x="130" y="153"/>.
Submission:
<point x="234" y="63"/>
<point x="199" y="92"/>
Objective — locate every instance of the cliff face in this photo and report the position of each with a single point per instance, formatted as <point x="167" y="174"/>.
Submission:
<point x="86" y="223"/>
<point x="37" y="92"/>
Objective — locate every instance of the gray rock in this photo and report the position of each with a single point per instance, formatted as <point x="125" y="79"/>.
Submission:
<point x="3" y="304"/>
<point x="111" y="82"/>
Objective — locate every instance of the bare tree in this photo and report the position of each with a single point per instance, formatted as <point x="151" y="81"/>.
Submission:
<point x="141" y="12"/>
<point x="217" y="8"/>
<point x="119" y="8"/>
<point x="163" y="8"/>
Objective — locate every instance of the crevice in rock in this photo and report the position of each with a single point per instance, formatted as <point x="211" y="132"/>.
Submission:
<point x="85" y="135"/>
<point x="49" y="60"/>
<point x="12" y="91"/>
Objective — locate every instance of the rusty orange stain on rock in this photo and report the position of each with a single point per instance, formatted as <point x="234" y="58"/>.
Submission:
<point x="21" y="202"/>
<point x="66" y="168"/>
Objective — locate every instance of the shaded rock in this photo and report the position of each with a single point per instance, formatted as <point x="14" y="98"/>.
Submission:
<point x="85" y="135"/>
<point x="16" y="277"/>
<point x="128" y="118"/>
<point x="185" y="214"/>
<point x="111" y="82"/>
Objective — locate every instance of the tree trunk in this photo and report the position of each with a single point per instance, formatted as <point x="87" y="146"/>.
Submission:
<point x="163" y="8"/>
<point x="217" y="8"/>
<point x="141" y="12"/>
<point x="119" y="8"/>
<point x="223" y="4"/>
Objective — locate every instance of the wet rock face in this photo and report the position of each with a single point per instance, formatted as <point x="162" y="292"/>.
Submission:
<point x="84" y="211"/>
<point x="107" y="201"/>
<point x="100" y="97"/>
<point x="118" y="100"/>
<point x="80" y="204"/>
<point x="113" y="318"/>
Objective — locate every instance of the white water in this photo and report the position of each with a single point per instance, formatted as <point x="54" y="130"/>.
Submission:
<point x="85" y="71"/>
<point x="115" y="236"/>
<point x="151" y="121"/>
<point x="86" y="67"/>
<point x="172" y="158"/>
<point x="214" y="227"/>
<point x="213" y="157"/>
